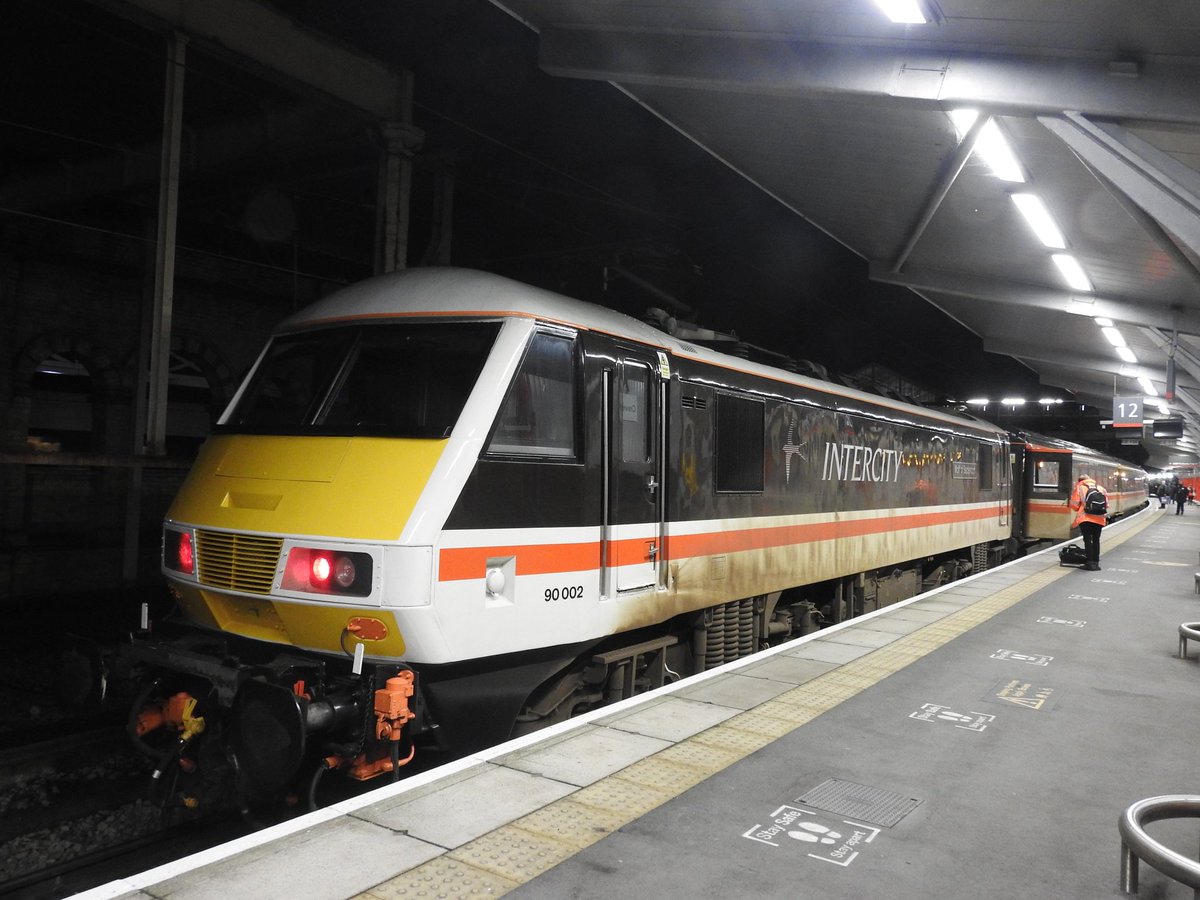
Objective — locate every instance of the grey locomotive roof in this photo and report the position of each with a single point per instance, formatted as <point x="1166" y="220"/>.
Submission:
<point x="444" y="291"/>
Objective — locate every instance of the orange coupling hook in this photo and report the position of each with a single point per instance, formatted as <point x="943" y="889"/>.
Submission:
<point x="391" y="707"/>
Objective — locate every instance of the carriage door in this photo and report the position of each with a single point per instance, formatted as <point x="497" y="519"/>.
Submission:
<point x="633" y="539"/>
<point x="1003" y="468"/>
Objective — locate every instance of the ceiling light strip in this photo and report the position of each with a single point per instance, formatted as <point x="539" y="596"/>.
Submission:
<point x="1072" y="271"/>
<point x="1040" y="220"/>
<point x="903" y="12"/>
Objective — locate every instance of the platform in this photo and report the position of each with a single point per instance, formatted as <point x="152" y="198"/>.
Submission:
<point x="977" y="741"/>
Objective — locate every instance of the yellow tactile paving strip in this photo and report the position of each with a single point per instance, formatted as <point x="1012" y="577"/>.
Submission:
<point x="501" y="860"/>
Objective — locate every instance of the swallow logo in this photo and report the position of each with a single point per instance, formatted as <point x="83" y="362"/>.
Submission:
<point x="790" y="449"/>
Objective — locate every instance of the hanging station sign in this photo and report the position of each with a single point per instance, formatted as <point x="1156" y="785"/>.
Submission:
<point x="1127" y="412"/>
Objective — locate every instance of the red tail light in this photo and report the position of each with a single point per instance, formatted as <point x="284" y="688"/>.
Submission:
<point x="319" y="571"/>
<point x="322" y="568"/>
<point x="187" y="558"/>
<point x="179" y="553"/>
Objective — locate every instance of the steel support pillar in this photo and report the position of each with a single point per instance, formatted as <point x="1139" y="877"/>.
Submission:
<point x="154" y="357"/>
<point x="401" y="139"/>
<point x="164" y="263"/>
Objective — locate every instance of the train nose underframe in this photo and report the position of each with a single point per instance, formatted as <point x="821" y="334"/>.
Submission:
<point x="360" y="728"/>
<point x="270" y="717"/>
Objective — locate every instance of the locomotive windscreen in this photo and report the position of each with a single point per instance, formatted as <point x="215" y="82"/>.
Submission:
<point x="395" y="380"/>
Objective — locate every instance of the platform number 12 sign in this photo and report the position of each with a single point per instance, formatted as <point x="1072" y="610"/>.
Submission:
<point x="1127" y="412"/>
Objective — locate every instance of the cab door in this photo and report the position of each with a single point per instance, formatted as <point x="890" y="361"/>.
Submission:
<point x="632" y="544"/>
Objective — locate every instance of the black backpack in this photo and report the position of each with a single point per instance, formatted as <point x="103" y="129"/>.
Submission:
<point x="1095" y="503"/>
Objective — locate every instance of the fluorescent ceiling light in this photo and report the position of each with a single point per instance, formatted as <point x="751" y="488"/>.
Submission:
<point x="991" y="146"/>
<point x="1126" y="354"/>
<point x="978" y="401"/>
<point x="1072" y="271"/>
<point x="1013" y="401"/>
<point x="1040" y="220"/>
<point x="1103" y="322"/>
<point x="1147" y="386"/>
<point x="1114" y="337"/>
<point x="903" y="12"/>
<point x="1049" y="401"/>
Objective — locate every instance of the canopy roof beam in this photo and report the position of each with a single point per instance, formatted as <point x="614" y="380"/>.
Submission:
<point x="1008" y="84"/>
<point x="1120" y="309"/>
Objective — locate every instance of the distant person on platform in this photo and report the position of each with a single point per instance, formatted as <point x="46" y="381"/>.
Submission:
<point x="1181" y="497"/>
<point x="1090" y="518"/>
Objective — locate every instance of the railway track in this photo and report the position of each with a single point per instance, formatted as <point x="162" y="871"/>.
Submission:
<point x="90" y="869"/>
<point x="75" y="812"/>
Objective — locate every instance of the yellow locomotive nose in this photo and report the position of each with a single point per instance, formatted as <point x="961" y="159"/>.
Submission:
<point x="358" y="488"/>
<point x="249" y="494"/>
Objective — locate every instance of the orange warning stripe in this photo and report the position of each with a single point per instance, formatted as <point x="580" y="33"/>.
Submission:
<point x="458" y="563"/>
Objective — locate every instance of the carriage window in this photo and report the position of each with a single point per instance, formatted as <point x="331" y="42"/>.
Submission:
<point x="986" y="467"/>
<point x="408" y="380"/>
<point x="635" y="421"/>
<point x="740" y="444"/>
<point x="538" y="418"/>
<point x="1045" y="474"/>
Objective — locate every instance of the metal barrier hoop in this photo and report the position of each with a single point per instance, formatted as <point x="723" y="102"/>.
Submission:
<point x="1137" y="845"/>
<point x="1187" y="631"/>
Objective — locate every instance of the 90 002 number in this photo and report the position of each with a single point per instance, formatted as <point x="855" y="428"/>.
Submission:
<point x="575" y="592"/>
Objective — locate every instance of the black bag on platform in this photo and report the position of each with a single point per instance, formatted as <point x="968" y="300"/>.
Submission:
<point x="1071" y="555"/>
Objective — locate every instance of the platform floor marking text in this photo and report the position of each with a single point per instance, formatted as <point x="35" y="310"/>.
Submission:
<point x="828" y="839"/>
<point x="1032" y="659"/>
<point x="933" y="712"/>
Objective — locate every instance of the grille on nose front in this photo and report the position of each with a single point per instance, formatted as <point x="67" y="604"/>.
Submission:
<point x="238" y="562"/>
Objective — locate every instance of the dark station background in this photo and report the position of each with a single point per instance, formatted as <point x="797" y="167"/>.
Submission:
<point x="567" y="185"/>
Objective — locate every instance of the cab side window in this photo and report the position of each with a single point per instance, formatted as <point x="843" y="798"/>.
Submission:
<point x="538" y="417"/>
<point x="1046" y="475"/>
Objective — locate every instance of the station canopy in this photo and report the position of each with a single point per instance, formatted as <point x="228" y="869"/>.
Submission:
<point x="1029" y="168"/>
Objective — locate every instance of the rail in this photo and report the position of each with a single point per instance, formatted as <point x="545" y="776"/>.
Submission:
<point x="1137" y="846"/>
<point x="1187" y="631"/>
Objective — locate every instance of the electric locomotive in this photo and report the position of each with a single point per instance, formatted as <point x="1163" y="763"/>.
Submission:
<point x="445" y="508"/>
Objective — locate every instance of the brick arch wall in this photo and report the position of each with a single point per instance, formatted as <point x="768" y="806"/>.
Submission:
<point x="107" y="382"/>
<point x="212" y="362"/>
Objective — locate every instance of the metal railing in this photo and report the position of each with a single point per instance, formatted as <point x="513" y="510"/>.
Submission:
<point x="1137" y="846"/>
